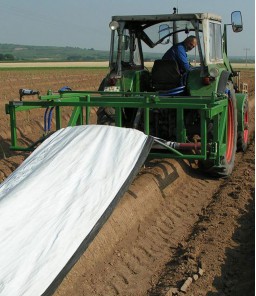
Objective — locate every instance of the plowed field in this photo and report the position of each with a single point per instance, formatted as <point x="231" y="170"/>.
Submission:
<point x="173" y="224"/>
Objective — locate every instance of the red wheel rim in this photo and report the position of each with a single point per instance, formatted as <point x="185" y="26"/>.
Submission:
<point x="230" y="133"/>
<point x="246" y="124"/>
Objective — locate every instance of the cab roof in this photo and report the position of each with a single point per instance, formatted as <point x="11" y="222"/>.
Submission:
<point x="167" y="17"/>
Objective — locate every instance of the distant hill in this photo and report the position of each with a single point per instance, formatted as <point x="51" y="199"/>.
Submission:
<point x="15" y="52"/>
<point x="52" y="53"/>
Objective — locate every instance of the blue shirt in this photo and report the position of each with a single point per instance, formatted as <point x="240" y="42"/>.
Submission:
<point x="178" y="53"/>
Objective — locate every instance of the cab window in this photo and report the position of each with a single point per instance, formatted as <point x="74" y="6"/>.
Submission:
<point x="215" y="53"/>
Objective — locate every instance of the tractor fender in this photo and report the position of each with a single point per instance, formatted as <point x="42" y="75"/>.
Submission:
<point x="223" y="80"/>
<point x="137" y="81"/>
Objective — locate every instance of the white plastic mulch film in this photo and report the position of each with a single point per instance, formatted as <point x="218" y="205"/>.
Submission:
<point x="52" y="202"/>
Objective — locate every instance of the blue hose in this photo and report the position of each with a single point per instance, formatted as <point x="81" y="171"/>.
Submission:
<point x="48" y="119"/>
<point x="174" y="91"/>
<point x="45" y="119"/>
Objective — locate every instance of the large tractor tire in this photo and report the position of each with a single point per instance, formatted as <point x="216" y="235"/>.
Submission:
<point x="228" y="159"/>
<point x="243" y="135"/>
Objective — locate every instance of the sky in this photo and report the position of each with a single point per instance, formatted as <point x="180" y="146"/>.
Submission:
<point x="84" y="23"/>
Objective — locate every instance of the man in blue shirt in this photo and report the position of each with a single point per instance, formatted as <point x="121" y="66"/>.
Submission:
<point x="178" y="52"/>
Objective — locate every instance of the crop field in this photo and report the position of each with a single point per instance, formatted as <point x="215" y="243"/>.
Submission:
<point x="173" y="223"/>
<point x="53" y="65"/>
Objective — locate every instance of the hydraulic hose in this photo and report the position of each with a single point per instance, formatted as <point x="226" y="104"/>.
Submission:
<point x="48" y="119"/>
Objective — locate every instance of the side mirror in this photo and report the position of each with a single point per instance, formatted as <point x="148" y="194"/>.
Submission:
<point x="236" y="21"/>
<point x="164" y="31"/>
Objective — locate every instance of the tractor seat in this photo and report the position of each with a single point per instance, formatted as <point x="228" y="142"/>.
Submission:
<point x="165" y="75"/>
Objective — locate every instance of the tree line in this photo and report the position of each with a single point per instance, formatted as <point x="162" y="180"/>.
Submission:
<point x="6" y="57"/>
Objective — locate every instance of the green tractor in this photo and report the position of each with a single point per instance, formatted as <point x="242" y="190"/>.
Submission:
<point x="200" y="115"/>
<point x="211" y="81"/>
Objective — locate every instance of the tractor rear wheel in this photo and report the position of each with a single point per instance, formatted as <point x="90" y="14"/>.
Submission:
<point x="228" y="159"/>
<point x="243" y="136"/>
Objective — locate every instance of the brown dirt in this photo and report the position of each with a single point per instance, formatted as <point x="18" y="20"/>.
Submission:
<point x="172" y="222"/>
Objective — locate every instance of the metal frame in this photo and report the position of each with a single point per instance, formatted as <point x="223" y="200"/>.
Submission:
<point x="211" y="108"/>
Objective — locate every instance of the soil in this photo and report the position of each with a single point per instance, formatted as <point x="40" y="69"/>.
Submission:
<point x="174" y="225"/>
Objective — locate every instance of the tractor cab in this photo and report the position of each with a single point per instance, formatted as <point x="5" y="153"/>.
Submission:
<point x="138" y="40"/>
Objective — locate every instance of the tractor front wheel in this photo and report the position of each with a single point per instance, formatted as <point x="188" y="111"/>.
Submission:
<point x="106" y="116"/>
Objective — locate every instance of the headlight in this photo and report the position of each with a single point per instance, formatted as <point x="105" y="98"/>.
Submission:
<point x="114" y="25"/>
<point x="214" y="72"/>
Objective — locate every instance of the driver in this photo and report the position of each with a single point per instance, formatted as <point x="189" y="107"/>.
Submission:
<point x="178" y="52"/>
